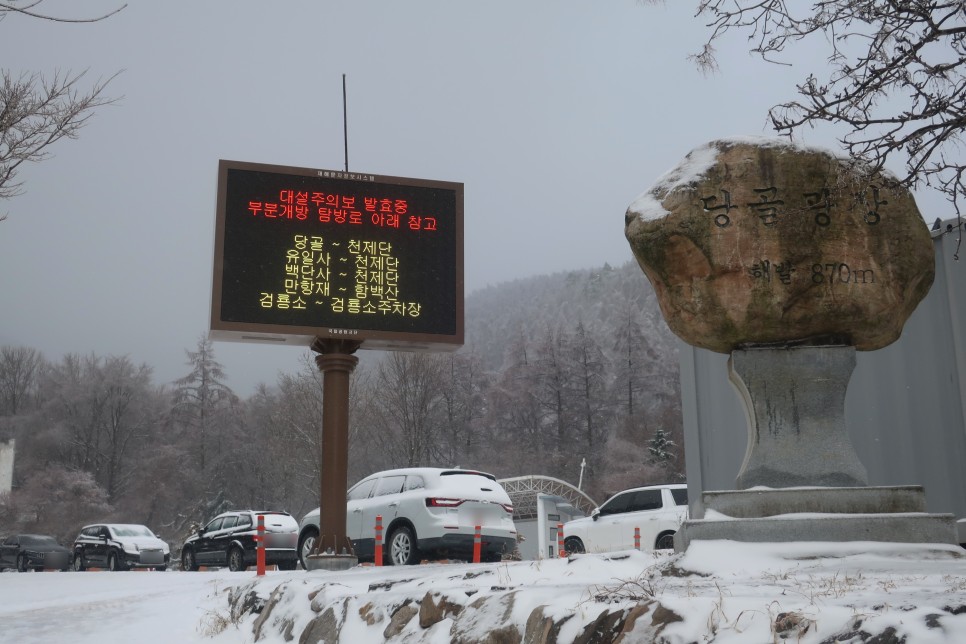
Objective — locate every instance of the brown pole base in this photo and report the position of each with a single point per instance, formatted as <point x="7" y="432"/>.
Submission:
<point x="336" y="362"/>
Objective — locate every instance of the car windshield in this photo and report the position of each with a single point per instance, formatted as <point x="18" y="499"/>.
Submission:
<point x="37" y="540"/>
<point x="131" y="531"/>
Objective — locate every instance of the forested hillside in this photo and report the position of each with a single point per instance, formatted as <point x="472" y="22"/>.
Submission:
<point x="582" y="366"/>
<point x="556" y="370"/>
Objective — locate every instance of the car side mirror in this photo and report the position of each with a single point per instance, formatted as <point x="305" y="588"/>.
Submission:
<point x="595" y="514"/>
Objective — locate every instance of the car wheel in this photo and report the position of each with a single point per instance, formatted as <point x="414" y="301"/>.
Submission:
<point x="402" y="547"/>
<point x="79" y="562"/>
<point x="236" y="560"/>
<point x="306" y="544"/>
<point x="161" y="568"/>
<point x="664" y="541"/>
<point x="188" y="560"/>
<point x="113" y="562"/>
<point x="574" y="546"/>
<point x="22" y="563"/>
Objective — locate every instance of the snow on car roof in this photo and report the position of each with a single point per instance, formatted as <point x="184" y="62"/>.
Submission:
<point x="432" y="471"/>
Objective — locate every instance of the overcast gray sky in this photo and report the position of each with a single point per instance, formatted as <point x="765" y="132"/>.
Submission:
<point x="555" y="114"/>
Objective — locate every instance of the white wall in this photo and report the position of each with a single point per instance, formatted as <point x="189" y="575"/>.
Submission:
<point x="6" y="466"/>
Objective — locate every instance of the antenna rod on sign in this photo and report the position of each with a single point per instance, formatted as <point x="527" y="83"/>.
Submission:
<point x="345" y="125"/>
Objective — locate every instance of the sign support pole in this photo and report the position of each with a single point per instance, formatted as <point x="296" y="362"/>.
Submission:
<point x="333" y="550"/>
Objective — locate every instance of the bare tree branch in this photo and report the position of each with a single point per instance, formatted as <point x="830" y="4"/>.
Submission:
<point x="896" y="77"/>
<point x="36" y="112"/>
<point x="27" y="10"/>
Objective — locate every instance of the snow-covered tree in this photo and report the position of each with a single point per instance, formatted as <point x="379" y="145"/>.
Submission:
<point x="19" y="367"/>
<point x="406" y="406"/>
<point x="515" y="439"/>
<point x="516" y="403"/>
<point x="99" y="411"/>
<point x="631" y="351"/>
<point x="555" y="387"/>
<point x="591" y="371"/>
<point x="58" y="501"/>
<point x="462" y="405"/>
<point x="278" y="455"/>
<point x="129" y="418"/>
<point x="661" y="449"/>
<point x="202" y="401"/>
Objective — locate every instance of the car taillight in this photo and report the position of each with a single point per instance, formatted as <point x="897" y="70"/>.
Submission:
<point x="443" y="503"/>
<point x="507" y="507"/>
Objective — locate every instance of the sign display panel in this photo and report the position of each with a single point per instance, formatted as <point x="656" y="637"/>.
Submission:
<point x="302" y="253"/>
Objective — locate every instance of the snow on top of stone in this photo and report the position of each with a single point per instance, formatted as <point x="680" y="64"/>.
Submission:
<point x="690" y="171"/>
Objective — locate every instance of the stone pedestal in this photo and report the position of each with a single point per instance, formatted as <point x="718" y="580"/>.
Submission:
<point x="795" y="399"/>
<point x="330" y="562"/>
<point x="801" y="479"/>
<point x="893" y="514"/>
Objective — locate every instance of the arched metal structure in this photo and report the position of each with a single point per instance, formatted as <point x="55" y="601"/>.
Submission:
<point x="523" y="491"/>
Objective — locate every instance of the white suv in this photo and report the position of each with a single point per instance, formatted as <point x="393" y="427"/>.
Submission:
<point x="424" y="511"/>
<point x="657" y="511"/>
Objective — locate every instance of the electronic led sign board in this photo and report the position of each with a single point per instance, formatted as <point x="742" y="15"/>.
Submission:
<point x="303" y="253"/>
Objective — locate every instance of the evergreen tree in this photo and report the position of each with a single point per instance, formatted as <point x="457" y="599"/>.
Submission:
<point x="661" y="449"/>
<point x="202" y="401"/>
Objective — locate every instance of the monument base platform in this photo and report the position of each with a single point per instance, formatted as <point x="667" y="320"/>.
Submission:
<point x="330" y="562"/>
<point x="889" y="514"/>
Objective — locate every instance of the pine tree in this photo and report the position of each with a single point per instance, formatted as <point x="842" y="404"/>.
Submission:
<point x="661" y="449"/>
<point x="202" y="400"/>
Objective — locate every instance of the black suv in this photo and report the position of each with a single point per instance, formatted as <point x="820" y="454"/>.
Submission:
<point x="33" y="552"/>
<point x="119" y="546"/>
<point x="229" y="540"/>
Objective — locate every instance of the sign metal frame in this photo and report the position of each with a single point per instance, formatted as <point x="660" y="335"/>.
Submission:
<point x="292" y="334"/>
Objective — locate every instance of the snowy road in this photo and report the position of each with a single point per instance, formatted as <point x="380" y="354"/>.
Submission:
<point x="720" y="592"/>
<point x="108" y="607"/>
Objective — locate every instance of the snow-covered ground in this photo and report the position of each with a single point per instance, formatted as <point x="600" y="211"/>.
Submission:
<point x="719" y="591"/>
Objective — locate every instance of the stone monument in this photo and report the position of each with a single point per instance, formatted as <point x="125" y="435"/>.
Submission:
<point x="790" y="259"/>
